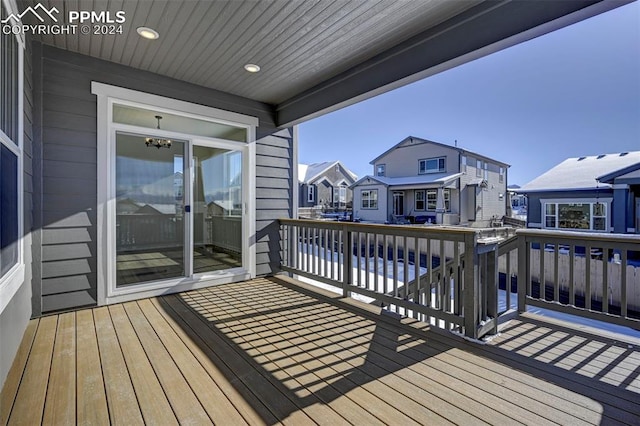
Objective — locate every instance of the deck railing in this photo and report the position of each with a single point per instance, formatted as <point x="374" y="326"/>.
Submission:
<point x="447" y="277"/>
<point x="587" y="274"/>
<point x="464" y="279"/>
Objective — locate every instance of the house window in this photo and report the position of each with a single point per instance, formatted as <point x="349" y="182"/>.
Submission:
<point x="447" y="200"/>
<point x="580" y="216"/>
<point x="478" y="168"/>
<point x="432" y="199"/>
<point x="419" y="198"/>
<point x="380" y="169"/>
<point x="343" y="194"/>
<point x="10" y="159"/>
<point x="501" y="179"/>
<point x="432" y="165"/>
<point x="369" y="199"/>
<point x="463" y="164"/>
<point x="311" y="193"/>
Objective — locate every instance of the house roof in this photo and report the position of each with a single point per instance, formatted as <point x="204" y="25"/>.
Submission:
<point x="581" y="173"/>
<point x="315" y="56"/>
<point x="310" y="172"/>
<point x="418" y="141"/>
<point x="435" y="179"/>
<point x="631" y="172"/>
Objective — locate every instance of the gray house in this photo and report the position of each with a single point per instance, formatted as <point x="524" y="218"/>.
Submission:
<point x="326" y="185"/>
<point x="115" y="109"/>
<point x="597" y="193"/>
<point x="424" y="181"/>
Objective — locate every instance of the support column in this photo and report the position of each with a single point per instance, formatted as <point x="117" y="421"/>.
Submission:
<point x="440" y="210"/>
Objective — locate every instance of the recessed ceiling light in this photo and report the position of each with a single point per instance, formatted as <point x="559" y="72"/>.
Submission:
<point x="252" y="67"/>
<point x="148" y="33"/>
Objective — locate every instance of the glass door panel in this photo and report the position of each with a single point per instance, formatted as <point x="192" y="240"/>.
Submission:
<point x="150" y="225"/>
<point x="217" y="209"/>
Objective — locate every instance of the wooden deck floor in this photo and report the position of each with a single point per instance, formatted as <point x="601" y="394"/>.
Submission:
<point x="270" y="351"/>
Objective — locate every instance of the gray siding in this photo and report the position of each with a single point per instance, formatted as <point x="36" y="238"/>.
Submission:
<point x="534" y="206"/>
<point x="274" y="192"/>
<point x="15" y="317"/>
<point x="67" y="180"/>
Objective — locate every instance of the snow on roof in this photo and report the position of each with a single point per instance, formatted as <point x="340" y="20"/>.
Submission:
<point x="308" y="172"/>
<point x="436" y="179"/>
<point x="581" y="172"/>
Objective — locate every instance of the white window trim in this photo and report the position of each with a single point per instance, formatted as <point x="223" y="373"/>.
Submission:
<point x="608" y="201"/>
<point x="426" y="172"/>
<point x="384" y="170"/>
<point x="362" y="191"/>
<point x="11" y="282"/>
<point x="424" y="200"/>
<point x="311" y="193"/>
<point x="106" y="129"/>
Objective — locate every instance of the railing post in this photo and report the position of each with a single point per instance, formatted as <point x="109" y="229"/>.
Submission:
<point x="347" y="260"/>
<point x="493" y="283"/>
<point x="523" y="272"/>
<point x="471" y="286"/>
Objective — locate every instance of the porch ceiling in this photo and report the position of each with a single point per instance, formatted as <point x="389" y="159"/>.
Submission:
<point x="315" y="56"/>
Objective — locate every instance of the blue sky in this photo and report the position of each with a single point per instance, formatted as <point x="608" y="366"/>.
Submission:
<point x="573" y="92"/>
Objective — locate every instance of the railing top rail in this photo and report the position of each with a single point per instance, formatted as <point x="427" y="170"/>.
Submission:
<point x="579" y="236"/>
<point x="441" y="232"/>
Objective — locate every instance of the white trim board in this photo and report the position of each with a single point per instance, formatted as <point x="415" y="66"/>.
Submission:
<point x="106" y="245"/>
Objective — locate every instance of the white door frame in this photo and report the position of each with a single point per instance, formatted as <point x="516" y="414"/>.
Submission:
<point x="108" y="96"/>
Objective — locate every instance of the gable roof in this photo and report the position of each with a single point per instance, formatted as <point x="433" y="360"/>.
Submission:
<point x="419" y="141"/>
<point x="309" y="172"/>
<point x="580" y="173"/>
<point x="629" y="172"/>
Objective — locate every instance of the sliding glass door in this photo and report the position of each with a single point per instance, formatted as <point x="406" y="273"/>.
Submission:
<point x="150" y="210"/>
<point x="217" y="209"/>
<point x="176" y="218"/>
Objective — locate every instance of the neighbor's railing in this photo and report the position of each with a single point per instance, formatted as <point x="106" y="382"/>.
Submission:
<point x="447" y="277"/>
<point x="587" y="274"/>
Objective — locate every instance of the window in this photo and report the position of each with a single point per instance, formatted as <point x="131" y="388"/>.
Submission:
<point x="380" y="169"/>
<point x="447" y="200"/>
<point x="419" y="198"/>
<point x="432" y="199"/>
<point x="311" y="193"/>
<point x="501" y="179"/>
<point x="10" y="159"/>
<point x="369" y="199"/>
<point x="343" y="194"/>
<point x="478" y="168"/>
<point x="580" y="216"/>
<point x="463" y="164"/>
<point x="432" y="165"/>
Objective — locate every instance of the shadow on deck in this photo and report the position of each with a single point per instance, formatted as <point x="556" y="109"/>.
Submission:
<point x="274" y="350"/>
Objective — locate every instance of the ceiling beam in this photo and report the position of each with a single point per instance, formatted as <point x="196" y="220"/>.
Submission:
<point x="484" y="29"/>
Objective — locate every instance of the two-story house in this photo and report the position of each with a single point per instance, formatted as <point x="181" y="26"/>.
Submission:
<point x="325" y="184"/>
<point x="429" y="182"/>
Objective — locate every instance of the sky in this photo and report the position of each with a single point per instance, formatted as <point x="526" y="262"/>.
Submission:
<point x="570" y="93"/>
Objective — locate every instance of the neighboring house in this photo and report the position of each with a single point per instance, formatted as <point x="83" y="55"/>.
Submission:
<point x="325" y="184"/>
<point x="425" y="181"/>
<point x="599" y="193"/>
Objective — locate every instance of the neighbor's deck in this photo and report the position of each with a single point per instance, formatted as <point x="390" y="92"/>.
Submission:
<point x="270" y="351"/>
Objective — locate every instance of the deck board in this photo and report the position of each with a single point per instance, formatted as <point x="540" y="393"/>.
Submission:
<point x="14" y="377"/>
<point x="60" y="404"/>
<point x="91" y="397"/>
<point x="29" y="404"/>
<point x="273" y="351"/>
